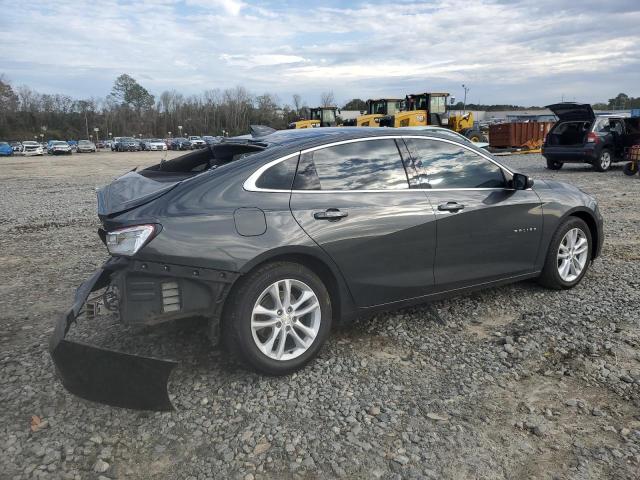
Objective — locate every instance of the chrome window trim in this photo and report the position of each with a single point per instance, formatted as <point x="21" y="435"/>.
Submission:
<point x="250" y="183"/>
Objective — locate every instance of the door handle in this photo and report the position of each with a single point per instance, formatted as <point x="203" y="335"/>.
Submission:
<point x="330" y="214"/>
<point x="450" y="207"/>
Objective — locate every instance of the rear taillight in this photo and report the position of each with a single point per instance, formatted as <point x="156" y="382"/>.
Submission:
<point x="593" y="137"/>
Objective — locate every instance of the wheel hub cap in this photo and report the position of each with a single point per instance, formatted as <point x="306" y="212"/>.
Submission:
<point x="572" y="256"/>
<point x="285" y="319"/>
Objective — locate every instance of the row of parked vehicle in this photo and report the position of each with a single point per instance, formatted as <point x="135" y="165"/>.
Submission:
<point x="52" y="147"/>
<point x="117" y="144"/>
<point x="131" y="144"/>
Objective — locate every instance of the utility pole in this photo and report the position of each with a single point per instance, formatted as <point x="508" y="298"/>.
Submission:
<point x="464" y="102"/>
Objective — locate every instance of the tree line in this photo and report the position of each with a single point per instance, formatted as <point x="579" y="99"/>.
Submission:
<point x="130" y="110"/>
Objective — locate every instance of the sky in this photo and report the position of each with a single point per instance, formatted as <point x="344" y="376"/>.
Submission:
<point x="506" y="51"/>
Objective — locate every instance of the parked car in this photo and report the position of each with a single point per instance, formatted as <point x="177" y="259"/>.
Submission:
<point x="155" y="144"/>
<point x="16" y="146"/>
<point x="6" y="150"/>
<point x="127" y="144"/>
<point x="581" y="136"/>
<point x="86" y="146"/>
<point x="210" y="140"/>
<point x="58" y="147"/>
<point x="274" y="238"/>
<point x="197" y="141"/>
<point x="114" y="142"/>
<point x="180" y="143"/>
<point x="73" y="144"/>
<point x="32" y="148"/>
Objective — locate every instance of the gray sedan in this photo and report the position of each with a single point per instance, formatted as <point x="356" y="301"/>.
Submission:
<point x="274" y="238"/>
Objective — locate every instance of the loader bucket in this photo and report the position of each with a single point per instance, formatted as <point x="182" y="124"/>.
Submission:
<point x="107" y="376"/>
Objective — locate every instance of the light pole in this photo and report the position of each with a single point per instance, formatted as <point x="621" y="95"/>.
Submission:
<point x="96" y="129"/>
<point x="464" y="102"/>
<point x="180" y="129"/>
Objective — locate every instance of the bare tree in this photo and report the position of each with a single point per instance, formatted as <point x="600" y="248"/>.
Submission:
<point x="327" y="99"/>
<point x="297" y="103"/>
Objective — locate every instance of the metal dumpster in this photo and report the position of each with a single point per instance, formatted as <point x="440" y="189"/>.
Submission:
<point x="518" y="134"/>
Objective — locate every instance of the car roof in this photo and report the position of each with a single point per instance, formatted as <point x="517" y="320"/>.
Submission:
<point x="308" y="137"/>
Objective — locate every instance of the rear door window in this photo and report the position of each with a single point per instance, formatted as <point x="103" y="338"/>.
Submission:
<point x="441" y="165"/>
<point x="363" y="165"/>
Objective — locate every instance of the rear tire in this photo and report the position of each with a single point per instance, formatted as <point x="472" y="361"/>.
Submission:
<point x="563" y="252"/>
<point x="603" y="163"/>
<point x="630" y="169"/>
<point x="267" y="335"/>
<point x="554" y="164"/>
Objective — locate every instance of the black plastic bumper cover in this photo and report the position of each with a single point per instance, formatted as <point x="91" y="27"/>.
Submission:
<point x="107" y="376"/>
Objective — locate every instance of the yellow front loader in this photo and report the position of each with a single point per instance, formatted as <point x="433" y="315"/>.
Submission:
<point x="319" y="117"/>
<point x="377" y="109"/>
<point x="431" y="109"/>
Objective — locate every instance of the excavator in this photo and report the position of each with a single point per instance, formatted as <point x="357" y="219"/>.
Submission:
<point x="431" y="109"/>
<point x="318" y="117"/>
<point x="377" y="109"/>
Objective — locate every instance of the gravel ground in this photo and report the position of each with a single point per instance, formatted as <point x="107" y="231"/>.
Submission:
<point x="510" y="383"/>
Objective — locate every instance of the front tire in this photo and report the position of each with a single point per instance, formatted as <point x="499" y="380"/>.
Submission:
<point x="554" y="164"/>
<point x="603" y="163"/>
<point x="568" y="256"/>
<point x="475" y="136"/>
<point x="277" y="318"/>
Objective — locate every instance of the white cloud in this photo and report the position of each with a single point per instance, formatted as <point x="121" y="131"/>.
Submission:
<point x="250" y="61"/>
<point x="232" y="7"/>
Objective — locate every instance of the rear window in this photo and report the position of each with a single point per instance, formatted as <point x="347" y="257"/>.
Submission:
<point x="280" y="176"/>
<point x="363" y="165"/>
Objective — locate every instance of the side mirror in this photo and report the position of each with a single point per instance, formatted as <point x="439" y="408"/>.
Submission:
<point x="521" y="182"/>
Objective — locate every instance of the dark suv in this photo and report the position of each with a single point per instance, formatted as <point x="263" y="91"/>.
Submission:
<point x="581" y="136"/>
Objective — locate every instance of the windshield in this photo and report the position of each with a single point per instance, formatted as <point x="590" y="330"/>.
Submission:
<point x="60" y="143"/>
<point x="84" y="141"/>
<point x="438" y="104"/>
<point x="329" y="116"/>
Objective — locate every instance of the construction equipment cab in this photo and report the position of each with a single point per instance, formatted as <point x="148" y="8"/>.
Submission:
<point x="377" y="109"/>
<point x="424" y="109"/>
<point x="318" y="117"/>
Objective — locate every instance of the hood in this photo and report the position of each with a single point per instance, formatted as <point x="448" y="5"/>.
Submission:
<point x="566" y="111"/>
<point x="129" y="191"/>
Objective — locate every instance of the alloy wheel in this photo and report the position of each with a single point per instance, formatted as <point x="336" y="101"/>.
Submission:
<point x="285" y="319"/>
<point x="605" y="160"/>
<point x="572" y="254"/>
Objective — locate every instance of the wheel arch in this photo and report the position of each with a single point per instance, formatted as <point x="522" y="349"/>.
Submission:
<point x="591" y="222"/>
<point x="344" y="308"/>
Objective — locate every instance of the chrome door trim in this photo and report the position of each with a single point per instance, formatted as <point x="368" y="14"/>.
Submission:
<point x="250" y="183"/>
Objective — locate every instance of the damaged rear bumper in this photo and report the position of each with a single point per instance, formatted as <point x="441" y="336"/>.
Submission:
<point x="122" y="379"/>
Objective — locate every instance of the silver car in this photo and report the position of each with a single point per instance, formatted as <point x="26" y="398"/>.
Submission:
<point x="86" y="146"/>
<point x="58" y="147"/>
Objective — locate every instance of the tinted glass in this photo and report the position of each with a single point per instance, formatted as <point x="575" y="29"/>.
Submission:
<point x="446" y="165"/>
<point x="365" y="165"/>
<point x="280" y="176"/>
